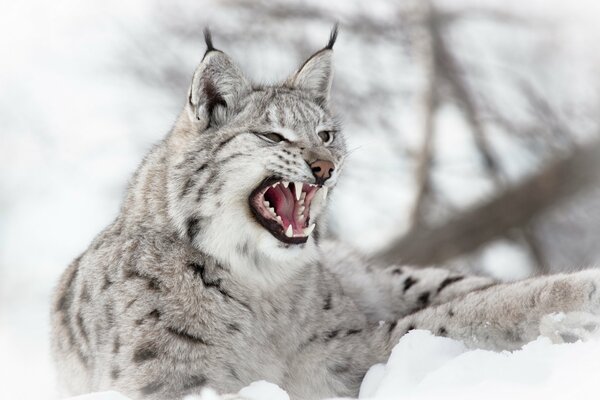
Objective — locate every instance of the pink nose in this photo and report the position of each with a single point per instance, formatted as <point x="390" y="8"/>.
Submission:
<point x="322" y="170"/>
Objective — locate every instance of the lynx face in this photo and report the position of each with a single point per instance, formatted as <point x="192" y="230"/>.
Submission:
<point x="252" y="166"/>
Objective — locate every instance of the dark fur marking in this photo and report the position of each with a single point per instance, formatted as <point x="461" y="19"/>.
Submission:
<point x="451" y="313"/>
<point x="397" y="271"/>
<point x="340" y="368"/>
<point x="233" y="327"/>
<point x="353" y="331"/>
<point x="449" y="281"/>
<point x="64" y="302"/>
<point x="201" y="168"/>
<point x="332" y="334"/>
<point x="442" y="331"/>
<point x="145" y="353"/>
<point x="408" y="283"/>
<point x="392" y="326"/>
<point x="110" y="314"/>
<point x="154" y="284"/>
<point x="181" y="334"/>
<point x="85" y="294"/>
<point x="410" y="328"/>
<point x="224" y="143"/>
<point x="233" y="373"/>
<point x="194" y="381"/>
<point x="193" y="227"/>
<point x="213" y="97"/>
<point x="327" y="305"/>
<point x="116" y="346"/>
<point x="82" y="328"/>
<point x="114" y="374"/>
<point x="187" y="187"/>
<point x="423" y="299"/>
<point x="200" y="272"/>
<point x="151" y="388"/>
<point x="154" y="314"/>
<point x="107" y="282"/>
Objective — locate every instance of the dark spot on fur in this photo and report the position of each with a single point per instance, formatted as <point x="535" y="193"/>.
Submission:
<point x="331" y="334"/>
<point x="154" y="284"/>
<point x="194" y="381"/>
<point x="200" y="271"/>
<point x="107" y="282"/>
<point x="340" y="368"/>
<point x="353" y="331"/>
<point x="64" y="302"/>
<point x="442" y="331"/>
<point x="327" y="305"/>
<point x="201" y="168"/>
<point x="85" y="294"/>
<point x="145" y="353"/>
<point x="392" y="326"/>
<point x="233" y="327"/>
<point x="449" y="281"/>
<point x="451" y="313"/>
<point x="82" y="327"/>
<point x="232" y="372"/>
<point x="408" y="283"/>
<point x="186" y="336"/>
<point x="110" y="314"/>
<point x="193" y="227"/>
<point x="423" y="299"/>
<point x="397" y="271"/>
<point x="116" y="346"/>
<point x="114" y="374"/>
<point x="410" y="328"/>
<point x="187" y="187"/>
<point x="154" y="314"/>
<point x="151" y="388"/>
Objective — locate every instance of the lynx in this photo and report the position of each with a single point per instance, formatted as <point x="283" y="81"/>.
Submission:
<point x="215" y="272"/>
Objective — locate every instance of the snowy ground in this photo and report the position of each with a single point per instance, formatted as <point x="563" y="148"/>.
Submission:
<point x="423" y="366"/>
<point x="74" y="126"/>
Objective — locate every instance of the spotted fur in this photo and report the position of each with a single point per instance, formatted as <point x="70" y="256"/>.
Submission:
<point x="185" y="289"/>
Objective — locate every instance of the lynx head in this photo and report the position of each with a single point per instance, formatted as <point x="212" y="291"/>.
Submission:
<point x="251" y="166"/>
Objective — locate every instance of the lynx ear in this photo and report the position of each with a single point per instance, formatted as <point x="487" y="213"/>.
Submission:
<point x="217" y="86"/>
<point x="316" y="74"/>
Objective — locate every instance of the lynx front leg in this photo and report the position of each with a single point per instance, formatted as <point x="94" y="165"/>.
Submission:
<point x="506" y="316"/>
<point x="388" y="294"/>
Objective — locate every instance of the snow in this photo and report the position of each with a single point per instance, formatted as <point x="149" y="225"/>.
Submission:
<point x="423" y="366"/>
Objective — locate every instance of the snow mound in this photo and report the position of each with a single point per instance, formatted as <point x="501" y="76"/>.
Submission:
<point x="423" y="366"/>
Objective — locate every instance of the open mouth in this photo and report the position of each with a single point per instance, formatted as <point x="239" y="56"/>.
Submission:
<point x="283" y="208"/>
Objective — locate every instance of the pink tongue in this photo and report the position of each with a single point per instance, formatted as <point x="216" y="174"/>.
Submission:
<point x="284" y="203"/>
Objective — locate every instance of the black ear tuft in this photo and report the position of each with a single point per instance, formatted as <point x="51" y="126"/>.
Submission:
<point x="332" y="36"/>
<point x="208" y="40"/>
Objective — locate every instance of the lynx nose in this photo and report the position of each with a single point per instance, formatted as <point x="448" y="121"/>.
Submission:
<point x="322" y="170"/>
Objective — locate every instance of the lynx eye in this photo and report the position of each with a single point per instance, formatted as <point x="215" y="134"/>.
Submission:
<point x="326" y="136"/>
<point x="272" y="137"/>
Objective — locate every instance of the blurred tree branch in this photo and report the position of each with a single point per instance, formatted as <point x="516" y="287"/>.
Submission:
<point x="513" y="208"/>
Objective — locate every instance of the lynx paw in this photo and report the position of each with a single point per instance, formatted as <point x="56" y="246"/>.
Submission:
<point x="570" y="327"/>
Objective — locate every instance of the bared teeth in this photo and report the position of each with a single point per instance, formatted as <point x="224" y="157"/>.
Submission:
<point x="266" y="204"/>
<point x="298" y="188"/>
<point x="272" y="210"/>
<point x="286" y="184"/>
<point x="300" y="210"/>
<point x="303" y="196"/>
<point x="279" y="220"/>
<point x="289" y="231"/>
<point x="308" y="231"/>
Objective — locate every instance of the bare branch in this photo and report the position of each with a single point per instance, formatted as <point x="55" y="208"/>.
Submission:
<point x="513" y="208"/>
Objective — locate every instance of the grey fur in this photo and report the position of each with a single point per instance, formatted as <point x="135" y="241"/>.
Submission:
<point x="185" y="289"/>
